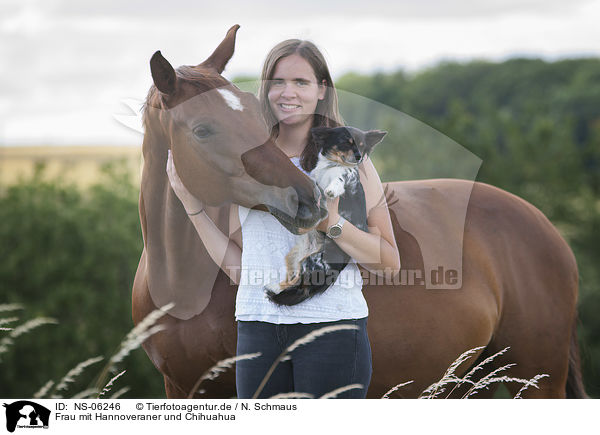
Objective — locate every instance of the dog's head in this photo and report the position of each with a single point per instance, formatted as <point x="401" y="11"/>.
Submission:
<point x="346" y="145"/>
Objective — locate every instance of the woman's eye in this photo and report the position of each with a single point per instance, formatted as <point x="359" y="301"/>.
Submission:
<point x="301" y="82"/>
<point x="202" y="131"/>
<point x="277" y="83"/>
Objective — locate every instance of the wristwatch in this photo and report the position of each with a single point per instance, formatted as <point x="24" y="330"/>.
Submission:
<point x="335" y="230"/>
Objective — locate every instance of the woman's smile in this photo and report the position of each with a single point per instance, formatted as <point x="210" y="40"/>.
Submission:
<point x="289" y="107"/>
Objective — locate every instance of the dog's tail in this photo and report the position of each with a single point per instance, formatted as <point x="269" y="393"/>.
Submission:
<point x="311" y="283"/>
<point x="290" y="296"/>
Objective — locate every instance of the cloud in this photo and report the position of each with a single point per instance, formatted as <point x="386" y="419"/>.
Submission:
<point x="67" y="63"/>
<point x="267" y="9"/>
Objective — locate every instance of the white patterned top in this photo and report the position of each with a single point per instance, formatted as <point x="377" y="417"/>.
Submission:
<point x="265" y="244"/>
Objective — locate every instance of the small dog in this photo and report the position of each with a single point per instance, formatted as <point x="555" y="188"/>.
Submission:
<point x="315" y="262"/>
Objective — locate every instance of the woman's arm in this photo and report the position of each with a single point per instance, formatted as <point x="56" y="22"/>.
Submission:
<point x="376" y="250"/>
<point x="223" y="251"/>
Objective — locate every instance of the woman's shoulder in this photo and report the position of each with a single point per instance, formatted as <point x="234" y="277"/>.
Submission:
<point x="366" y="168"/>
<point x="368" y="172"/>
<point x="369" y="178"/>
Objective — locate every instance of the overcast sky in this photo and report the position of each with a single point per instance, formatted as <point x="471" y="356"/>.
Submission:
<point x="65" y="65"/>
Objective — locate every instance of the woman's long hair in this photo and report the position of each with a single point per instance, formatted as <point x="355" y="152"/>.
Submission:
<point x="326" y="112"/>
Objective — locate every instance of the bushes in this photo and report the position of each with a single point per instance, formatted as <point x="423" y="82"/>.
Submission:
<point x="71" y="255"/>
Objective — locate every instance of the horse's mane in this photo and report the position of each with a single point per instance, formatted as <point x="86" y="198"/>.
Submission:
<point x="199" y="77"/>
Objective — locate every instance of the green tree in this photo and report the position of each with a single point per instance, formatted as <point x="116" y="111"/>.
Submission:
<point x="71" y="255"/>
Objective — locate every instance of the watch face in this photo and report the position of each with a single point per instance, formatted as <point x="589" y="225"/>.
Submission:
<point x="335" y="231"/>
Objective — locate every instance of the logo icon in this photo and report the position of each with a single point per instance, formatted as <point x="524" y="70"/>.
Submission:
<point x="26" y="414"/>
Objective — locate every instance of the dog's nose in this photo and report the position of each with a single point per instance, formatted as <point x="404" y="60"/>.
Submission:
<point x="357" y="156"/>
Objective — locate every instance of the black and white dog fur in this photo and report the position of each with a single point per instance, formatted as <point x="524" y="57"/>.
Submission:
<point x="315" y="262"/>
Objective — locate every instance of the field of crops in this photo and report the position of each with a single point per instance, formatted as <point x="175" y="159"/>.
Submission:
<point x="80" y="165"/>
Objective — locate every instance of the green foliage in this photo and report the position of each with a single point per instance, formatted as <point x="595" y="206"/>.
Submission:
<point x="71" y="255"/>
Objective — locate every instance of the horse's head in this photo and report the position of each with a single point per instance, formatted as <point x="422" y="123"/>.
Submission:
<point x="220" y="144"/>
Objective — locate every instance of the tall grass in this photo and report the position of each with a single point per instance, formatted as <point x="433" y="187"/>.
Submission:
<point x="450" y="378"/>
<point x="449" y="383"/>
<point x="56" y="390"/>
<point x="13" y="333"/>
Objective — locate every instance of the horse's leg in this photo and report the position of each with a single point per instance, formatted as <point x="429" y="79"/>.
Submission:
<point x="564" y="367"/>
<point x="486" y="393"/>
<point x="534" y="353"/>
<point x="575" y="388"/>
<point x="173" y="391"/>
<point x="534" y="276"/>
<point x="221" y="388"/>
<point x="464" y="389"/>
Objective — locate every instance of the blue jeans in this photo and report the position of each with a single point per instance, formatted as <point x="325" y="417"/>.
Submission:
<point x="331" y="361"/>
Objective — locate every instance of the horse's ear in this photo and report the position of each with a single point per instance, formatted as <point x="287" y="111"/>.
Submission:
<point x="223" y="52"/>
<point x="163" y="74"/>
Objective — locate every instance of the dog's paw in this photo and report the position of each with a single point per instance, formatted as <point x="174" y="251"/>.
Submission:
<point x="335" y="189"/>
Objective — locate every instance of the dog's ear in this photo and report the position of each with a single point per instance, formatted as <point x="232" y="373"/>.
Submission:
<point x="372" y="138"/>
<point x="320" y="134"/>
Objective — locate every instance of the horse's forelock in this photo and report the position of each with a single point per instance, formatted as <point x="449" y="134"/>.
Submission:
<point x="202" y="78"/>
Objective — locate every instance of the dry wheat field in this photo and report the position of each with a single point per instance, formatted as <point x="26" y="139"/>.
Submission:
<point x="80" y="165"/>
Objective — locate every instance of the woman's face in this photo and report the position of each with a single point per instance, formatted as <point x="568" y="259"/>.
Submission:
<point x="294" y="91"/>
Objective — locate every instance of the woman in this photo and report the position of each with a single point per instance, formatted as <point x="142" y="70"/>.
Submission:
<point x="296" y="94"/>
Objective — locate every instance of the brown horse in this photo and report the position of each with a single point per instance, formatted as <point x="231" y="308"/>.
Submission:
<point x="513" y="282"/>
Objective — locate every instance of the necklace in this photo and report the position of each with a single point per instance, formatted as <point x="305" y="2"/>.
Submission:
<point x="295" y="154"/>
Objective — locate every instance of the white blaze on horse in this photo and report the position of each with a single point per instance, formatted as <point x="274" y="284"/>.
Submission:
<point x="519" y="278"/>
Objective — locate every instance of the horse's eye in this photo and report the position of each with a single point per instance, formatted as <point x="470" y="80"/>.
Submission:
<point x="202" y="131"/>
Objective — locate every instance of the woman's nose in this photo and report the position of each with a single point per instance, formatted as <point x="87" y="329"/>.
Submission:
<point x="288" y="90"/>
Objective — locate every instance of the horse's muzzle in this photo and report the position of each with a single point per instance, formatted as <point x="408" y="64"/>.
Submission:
<point x="309" y="208"/>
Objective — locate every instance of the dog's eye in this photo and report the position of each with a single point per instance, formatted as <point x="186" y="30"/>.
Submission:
<point x="202" y="131"/>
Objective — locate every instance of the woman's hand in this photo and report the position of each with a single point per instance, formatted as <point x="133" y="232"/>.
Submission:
<point x="191" y="204"/>
<point x="332" y="217"/>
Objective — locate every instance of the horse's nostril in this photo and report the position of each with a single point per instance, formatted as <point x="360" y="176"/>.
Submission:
<point x="292" y="204"/>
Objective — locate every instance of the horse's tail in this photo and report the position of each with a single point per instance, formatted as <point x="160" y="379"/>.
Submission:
<point x="575" y="388"/>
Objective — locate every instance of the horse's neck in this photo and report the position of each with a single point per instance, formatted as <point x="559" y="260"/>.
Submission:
<point x="180" y="270"/>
